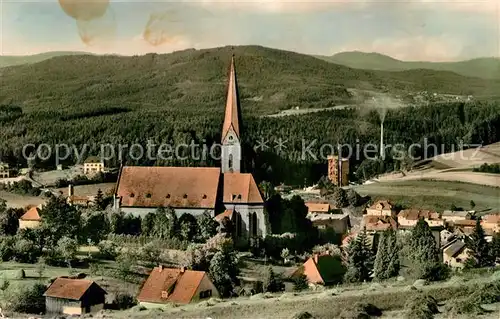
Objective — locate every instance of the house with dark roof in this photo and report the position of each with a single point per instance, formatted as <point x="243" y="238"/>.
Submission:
<point x="30" y="219"/>
<point x="74" y="296"/>
<point x="177" y="286"/>
<point x="455" y="254"/>
<point x="195" y="190"/>
<point x="322" y="269"/>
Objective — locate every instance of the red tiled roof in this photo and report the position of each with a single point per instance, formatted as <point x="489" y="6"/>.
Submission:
<point x="492" y="218"/>
<point x="379" y="223"/>
<point x="31" y="214"/>
<point x="190" y="187"/>
<point x="66" y="288"/>
<point x="181" y="286"/>
<point x="385" y="204"/>
<point x="465" y="223"/>
<point x="416" y="214"/>
<point x="228" y="213"/>
<point x="241" y="188"/>
<point x="317" y="207"/>
<point x="231" y="120"/>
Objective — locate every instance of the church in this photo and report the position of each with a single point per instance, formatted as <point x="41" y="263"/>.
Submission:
<point x="224" y="191"/>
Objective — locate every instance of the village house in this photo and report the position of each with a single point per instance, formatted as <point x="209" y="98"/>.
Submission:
<point x="4" y="170"/>
<point x="491" y="223"/>
<point x="31" y="219"/>
<point x="452" y="216"/>
<point x="375" y="223"/>
<point x="317" y="207"/>
<point x="455" y="254"/>
<point x="93" y="165"/>
<point x="463" y="227"/>
<point x="339" y="223"/>
<point x="322" y="269"/>
<point x="381" y="208"/>
<point x="196" y="190"/>
<point x="82" y="201"/>
<point x="177" y="286"/>
<point x="74" y="297"/>
<point x="410" y="217"/>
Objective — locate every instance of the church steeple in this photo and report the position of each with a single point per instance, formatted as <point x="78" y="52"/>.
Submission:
<point x="231" y="147"/>
<point x="231" y="119"/>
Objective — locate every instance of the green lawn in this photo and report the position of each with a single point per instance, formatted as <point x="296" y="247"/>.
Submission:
<point x="437" y="195"/>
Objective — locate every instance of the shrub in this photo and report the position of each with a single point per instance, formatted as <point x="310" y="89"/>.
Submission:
<point x="124" y="301"/>
<point x="25" y="299"/>
<point x="300" y="283"/>
<point x="361" y="310"/>
<point x="108" y="249"/>
<point x="421" y="306"/>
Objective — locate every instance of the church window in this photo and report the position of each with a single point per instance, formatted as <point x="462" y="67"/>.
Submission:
<point x="254" y="224"/>
<point x="230" y="161"/>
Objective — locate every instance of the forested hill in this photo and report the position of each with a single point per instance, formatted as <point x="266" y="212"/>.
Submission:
<point x="270" y="80"/>
<point x="178" y="98"/>
<point x="488" y="68"/>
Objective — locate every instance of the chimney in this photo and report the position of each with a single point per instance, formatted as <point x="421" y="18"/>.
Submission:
<point x="183" y="269"/>
<point x="70" y="190"/>
<point x="382" y="151"/>
<point x="315" y="257"/>
<point x="160" y="268"/>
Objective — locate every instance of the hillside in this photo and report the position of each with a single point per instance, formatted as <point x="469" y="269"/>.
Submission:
<point x="12" y="60"/>
<point x="488" y="68"/>
<point x="270" y="80"/>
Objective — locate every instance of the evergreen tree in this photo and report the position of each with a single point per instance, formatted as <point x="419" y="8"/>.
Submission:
<point x="59" y="219"/>
<point x="495" y="248"/>
<point x="273" y="282"/>
<point x="479" y="253"/>
<point x="161" y="224"/>
<point x="147" y="224"/>
<point x="188" y="227"/>
<point x="472" y="204"/>
<point x="387" y="258"/>
<point x="99" y="199"/>
<point x="173" y="223"/>
<point x="300" y="283"/>
<point x="359" y="259"/>
<point x="423" y="251"/>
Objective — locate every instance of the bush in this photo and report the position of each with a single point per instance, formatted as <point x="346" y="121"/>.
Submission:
<point x="421" y="306"/>
<point x="108" y="249"/>
<point x="123" y="301"/>
<point x="25" y="299"/>
<point x="361" y="310"/>
<point x="300" y="283"/>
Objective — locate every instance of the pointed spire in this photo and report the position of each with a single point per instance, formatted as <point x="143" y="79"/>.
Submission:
<point x="231" y="119"/>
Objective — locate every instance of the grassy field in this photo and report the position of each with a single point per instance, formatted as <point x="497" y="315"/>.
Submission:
<point x="438" y="195"/>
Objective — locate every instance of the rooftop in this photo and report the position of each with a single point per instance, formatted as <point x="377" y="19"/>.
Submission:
<point x="66" y="288"/>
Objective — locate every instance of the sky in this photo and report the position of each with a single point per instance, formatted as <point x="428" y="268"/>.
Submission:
<point x="418" y="30"/>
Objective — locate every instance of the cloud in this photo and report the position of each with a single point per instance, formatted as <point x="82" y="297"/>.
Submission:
<point x="418" y="48"/>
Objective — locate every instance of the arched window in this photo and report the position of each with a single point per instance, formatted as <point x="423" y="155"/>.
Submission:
<point x="253" y="224"/>
<point x="231" y="162"/>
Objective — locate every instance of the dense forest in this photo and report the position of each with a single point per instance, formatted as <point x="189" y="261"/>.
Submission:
<point x="179" y="97"/>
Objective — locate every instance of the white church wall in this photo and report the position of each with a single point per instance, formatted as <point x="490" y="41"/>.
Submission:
<point x="244" y="210"/>
<point x="143" y="211"/>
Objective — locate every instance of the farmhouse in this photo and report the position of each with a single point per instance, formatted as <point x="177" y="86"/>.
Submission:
<point x="453" y="216"/>
<point x="195" y="190"/>
<point x="455" y="254"/>
<point x="30" y="219"/>
<point x="410" y="217"/>
<point x="175" y="285"/>
<point x="379" y="223"/>
<point x="340" y="223"/>
<point x="381" y="208"/>
<point x="491" y="223"/>
<point x="322" y="269"/>
<point x="93" y="165"/>
<point x="74" y="296"/>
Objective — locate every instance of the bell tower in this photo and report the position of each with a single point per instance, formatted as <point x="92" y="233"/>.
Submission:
<point x="231" y="142"/>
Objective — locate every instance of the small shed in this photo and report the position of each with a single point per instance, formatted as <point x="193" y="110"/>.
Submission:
<point x="74" y="296"/>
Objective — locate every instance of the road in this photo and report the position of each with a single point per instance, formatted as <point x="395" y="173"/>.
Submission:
<point x="310" y="110"/>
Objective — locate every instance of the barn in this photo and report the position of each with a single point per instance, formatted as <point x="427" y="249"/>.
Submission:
<point x="74" y="296"/>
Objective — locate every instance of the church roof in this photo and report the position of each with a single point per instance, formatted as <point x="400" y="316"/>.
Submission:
<point x="231" y="118"/>
<point x="241" y="188"/>
<point x="177" y="187"/>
